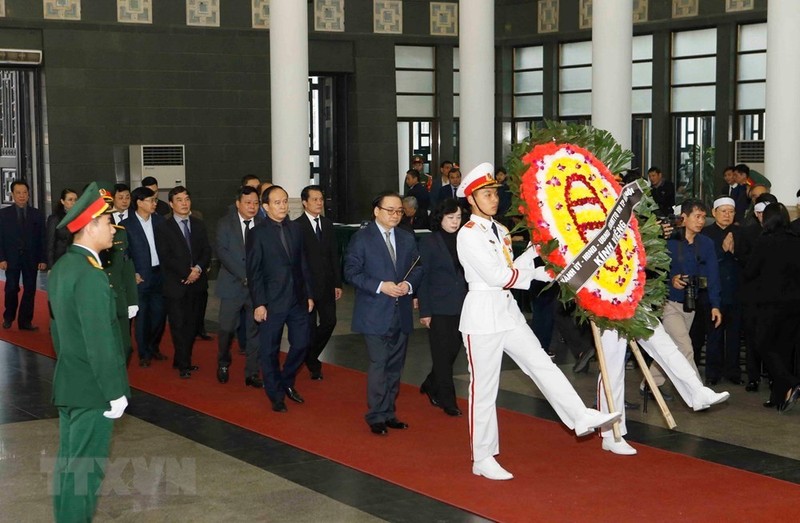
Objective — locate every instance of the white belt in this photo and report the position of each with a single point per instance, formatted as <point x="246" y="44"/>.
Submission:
<point x="480" y="286"/>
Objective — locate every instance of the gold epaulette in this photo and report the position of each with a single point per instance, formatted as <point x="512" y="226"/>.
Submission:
<point x="469" y="225"/>
<point x="118" y="226"/>
<point x="94" y="263"/>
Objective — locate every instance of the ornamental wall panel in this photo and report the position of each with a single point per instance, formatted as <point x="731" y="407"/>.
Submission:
<point x="387" y="16"/>
<point x="135" y="11"/>
<point x="329" y="15"/>
<point x="548" y="16"/>
<point x="639" y="11"/>
<point x="732" y="6"/>
<point x="2" y="8"/>
<point x="684" y="8"/>
<point x="260" y="14"/>
<point x="62" y="9"/>
<point x="585" y="14"/>
<point x="444" y="19"/>
<point x="202" y="13"/>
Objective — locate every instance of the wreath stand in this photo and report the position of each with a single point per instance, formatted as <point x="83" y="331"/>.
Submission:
<point x="601" y="360"/>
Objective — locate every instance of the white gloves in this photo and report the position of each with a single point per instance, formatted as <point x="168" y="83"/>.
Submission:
<point x="539" y="273"/>
<point x="117" y="408"/>
<point x="132" y="310"/>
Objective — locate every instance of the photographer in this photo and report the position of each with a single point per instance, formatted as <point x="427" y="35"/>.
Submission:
<point x="694" y="266"/>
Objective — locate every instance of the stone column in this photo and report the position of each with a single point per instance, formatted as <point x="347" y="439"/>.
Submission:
<point x="476" y="54"/>
<point x="612" y="63"/>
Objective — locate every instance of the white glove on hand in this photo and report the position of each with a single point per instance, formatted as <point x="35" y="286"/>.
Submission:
<point x="117" y="408"/>
<point x="132" y="310"/>
<point x="541" y="274"/>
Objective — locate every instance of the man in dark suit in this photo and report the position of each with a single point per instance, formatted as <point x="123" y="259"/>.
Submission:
<point x="22" y="253"/>
<point x="235" y="304"/>
<point x="663" y="191"/>
<point x="323" y="260"/>
<point x="413" y="218"/>
<point x="185" y="254"/>
<point x="122" y="202"/>
<point x="418" y="191"/>
<point x="280" y="286"/>
<point x="141" y="227"/>
<point x="381" y="263"/>
<point x="161" y="206"/>
<point x="440" y="181"/>
<point x="449" y="190"/>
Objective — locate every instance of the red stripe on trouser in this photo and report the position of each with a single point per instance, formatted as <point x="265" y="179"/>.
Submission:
<point x="471" y="397"/>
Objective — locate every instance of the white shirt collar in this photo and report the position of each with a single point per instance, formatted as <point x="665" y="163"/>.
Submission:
<point x="94" y="253"/>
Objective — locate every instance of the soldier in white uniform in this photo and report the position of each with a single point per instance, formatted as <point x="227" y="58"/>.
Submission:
<point x="491" y="323"/>
<point x="664" y="351"/>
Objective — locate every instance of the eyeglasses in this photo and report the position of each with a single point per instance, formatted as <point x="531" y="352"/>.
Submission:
<point x="396" y="212"/>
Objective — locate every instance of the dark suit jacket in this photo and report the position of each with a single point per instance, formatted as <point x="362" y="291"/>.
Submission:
<point x="175" y="259"/>
<point x="139" y="249"/>
<point x="774" y="267"/>
<point x="443" y="288"/>
<point x="739" y="195"/>
<point x="664" y="195"/>
<point x="420" y="192"/>
<point x="232" y="279"/>
<point x="57" y="240"/>
<point x="366" y="264"/>
<point x="11" y="236"/>
<point x="322" y="256"/>
<point x="419" y="221"/>
<point x="276" y="281"/>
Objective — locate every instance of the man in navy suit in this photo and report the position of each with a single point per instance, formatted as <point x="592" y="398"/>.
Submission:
<point x="141" y="226"/>
<point x="449" y="190"/>
<point x="21" y="253"/>
<point x="418" y="190"/>
<point x="235" y="306"/>
<point x="381" y="263"/>
<point x="185" y="254"/>
<point x="280" y="286"/>
<point x="326" y="273"/>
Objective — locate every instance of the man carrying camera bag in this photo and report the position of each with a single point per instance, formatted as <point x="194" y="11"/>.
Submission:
<point x="694" y="266"/>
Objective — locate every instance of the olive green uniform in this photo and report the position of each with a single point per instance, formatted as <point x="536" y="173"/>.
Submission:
<point x="90" y="372"/>
<point x="118" y="265"/>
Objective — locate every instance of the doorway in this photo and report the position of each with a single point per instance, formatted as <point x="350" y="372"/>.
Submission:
<point x="327" y="144"/>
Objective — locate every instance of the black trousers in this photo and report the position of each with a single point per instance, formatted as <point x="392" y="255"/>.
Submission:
<point x="183" y="315"/>
<point x="387" y="355"/>
<point x="778" y="339"/>
<point x="750" y="324"/>
<point x="323" y="321"/>
<point x="445" y="342"/>
<point x="28" y="271"/>
<point x="149" y="323"/>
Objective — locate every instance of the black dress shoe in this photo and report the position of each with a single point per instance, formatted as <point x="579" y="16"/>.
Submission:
<point x="631" y="405"/>
<point x="204" y="336"/>
<point x="712" y="381"/>
<point x="582" y="365"/>
<point x="159" y="357"/>
<point x="424" y="390"/>
<point x="190" y="367"/>
<point x="378" y="428"/>
<point x="6" y="324"/>
<point x="253" y="381"/>
<point x="452" y="411"/>
<point x="752" y="386"/>
<point x="768" y="404"/>
<point x="185" y="374"/>
<point x="32" y="328"/>
<point x="144" y="362"/>
<point x="222" y="374"/>
<point x="736" y="381"/>
<point x="279" y="406"/>
<point x="316" y="376"/>
<point x="293" y="395"/>
<point x="395" y="423"/>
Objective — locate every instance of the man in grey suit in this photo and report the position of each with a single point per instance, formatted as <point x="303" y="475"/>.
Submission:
<point x="235" y="302"/>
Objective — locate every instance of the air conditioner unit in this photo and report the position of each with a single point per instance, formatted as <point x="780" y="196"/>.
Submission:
<point x="750" y="152"/>
<point x="165" y="163"/>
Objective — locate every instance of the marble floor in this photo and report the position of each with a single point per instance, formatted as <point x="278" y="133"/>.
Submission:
<point x="170" y="463"/>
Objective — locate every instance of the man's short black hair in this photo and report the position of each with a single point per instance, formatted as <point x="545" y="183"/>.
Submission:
<point x="654" y="169"/>
<point x="139" y="194"/>
<point x="742" y="168"/>
<point x="691" y="205"/>
<point x="247" y="177"/>
<point x="268" y="191"/>
<point x="414" y="173"/>
<point x="178" y="189"/>
<point x="378" y="201"/>
<point x="441" y="165"/>
<point x="19" y="182"/>
<point x="149" y="180"/>
<point x="245" y="190"/>
<point x="304" y="194"/>
<point x="120" y="187"/>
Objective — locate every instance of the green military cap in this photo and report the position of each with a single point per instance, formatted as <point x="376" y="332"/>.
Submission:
<point x="89" y="206"/>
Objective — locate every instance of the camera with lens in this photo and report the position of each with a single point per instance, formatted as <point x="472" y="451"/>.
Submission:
<point x="693" y="285"/>
<point x="670" y="226"/>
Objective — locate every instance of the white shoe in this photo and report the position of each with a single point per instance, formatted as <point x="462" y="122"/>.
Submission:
<point x="706" y="397"/>
<point x="594" y="419"/>
<point x="489" y="468"/>
<point x="620" y="447"/>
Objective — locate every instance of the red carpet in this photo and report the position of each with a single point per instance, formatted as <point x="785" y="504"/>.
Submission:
<point x="558" y="478"/>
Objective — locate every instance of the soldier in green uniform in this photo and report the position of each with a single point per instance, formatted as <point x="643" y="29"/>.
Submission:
<point x="121" y="273"/>
<point x="90" y="384"/>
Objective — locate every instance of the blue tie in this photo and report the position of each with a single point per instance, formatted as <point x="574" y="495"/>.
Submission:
<point x="187" y="235"/>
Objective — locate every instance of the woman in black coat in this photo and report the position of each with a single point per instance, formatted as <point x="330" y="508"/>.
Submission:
<point x="59" y="239"/>
<point x="441" y="295"/>
<point x="774" y="269"/>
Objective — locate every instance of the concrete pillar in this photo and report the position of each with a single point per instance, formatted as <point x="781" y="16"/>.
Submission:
<point x="782" y="126"/>
<point x="612" y="36"/>
<point x="288" y="76"/>
<point x="476" y="54"/>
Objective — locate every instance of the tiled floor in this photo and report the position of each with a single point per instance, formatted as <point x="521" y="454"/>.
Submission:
<point x="174" y="464"/>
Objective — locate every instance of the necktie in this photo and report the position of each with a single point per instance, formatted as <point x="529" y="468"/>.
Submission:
<point x="282" y="234"/>
<point x="186" y="234"/>
<point x="120" y="215"/>
<point x="246" y="228"/>
<point x="392" y="254"/>
<point x="317" y="229"/>
<point x="454" y="191"/>
<point x="494" y="230"/>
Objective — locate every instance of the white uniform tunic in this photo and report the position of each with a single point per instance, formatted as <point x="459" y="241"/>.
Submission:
<point x="492" y="323"/>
